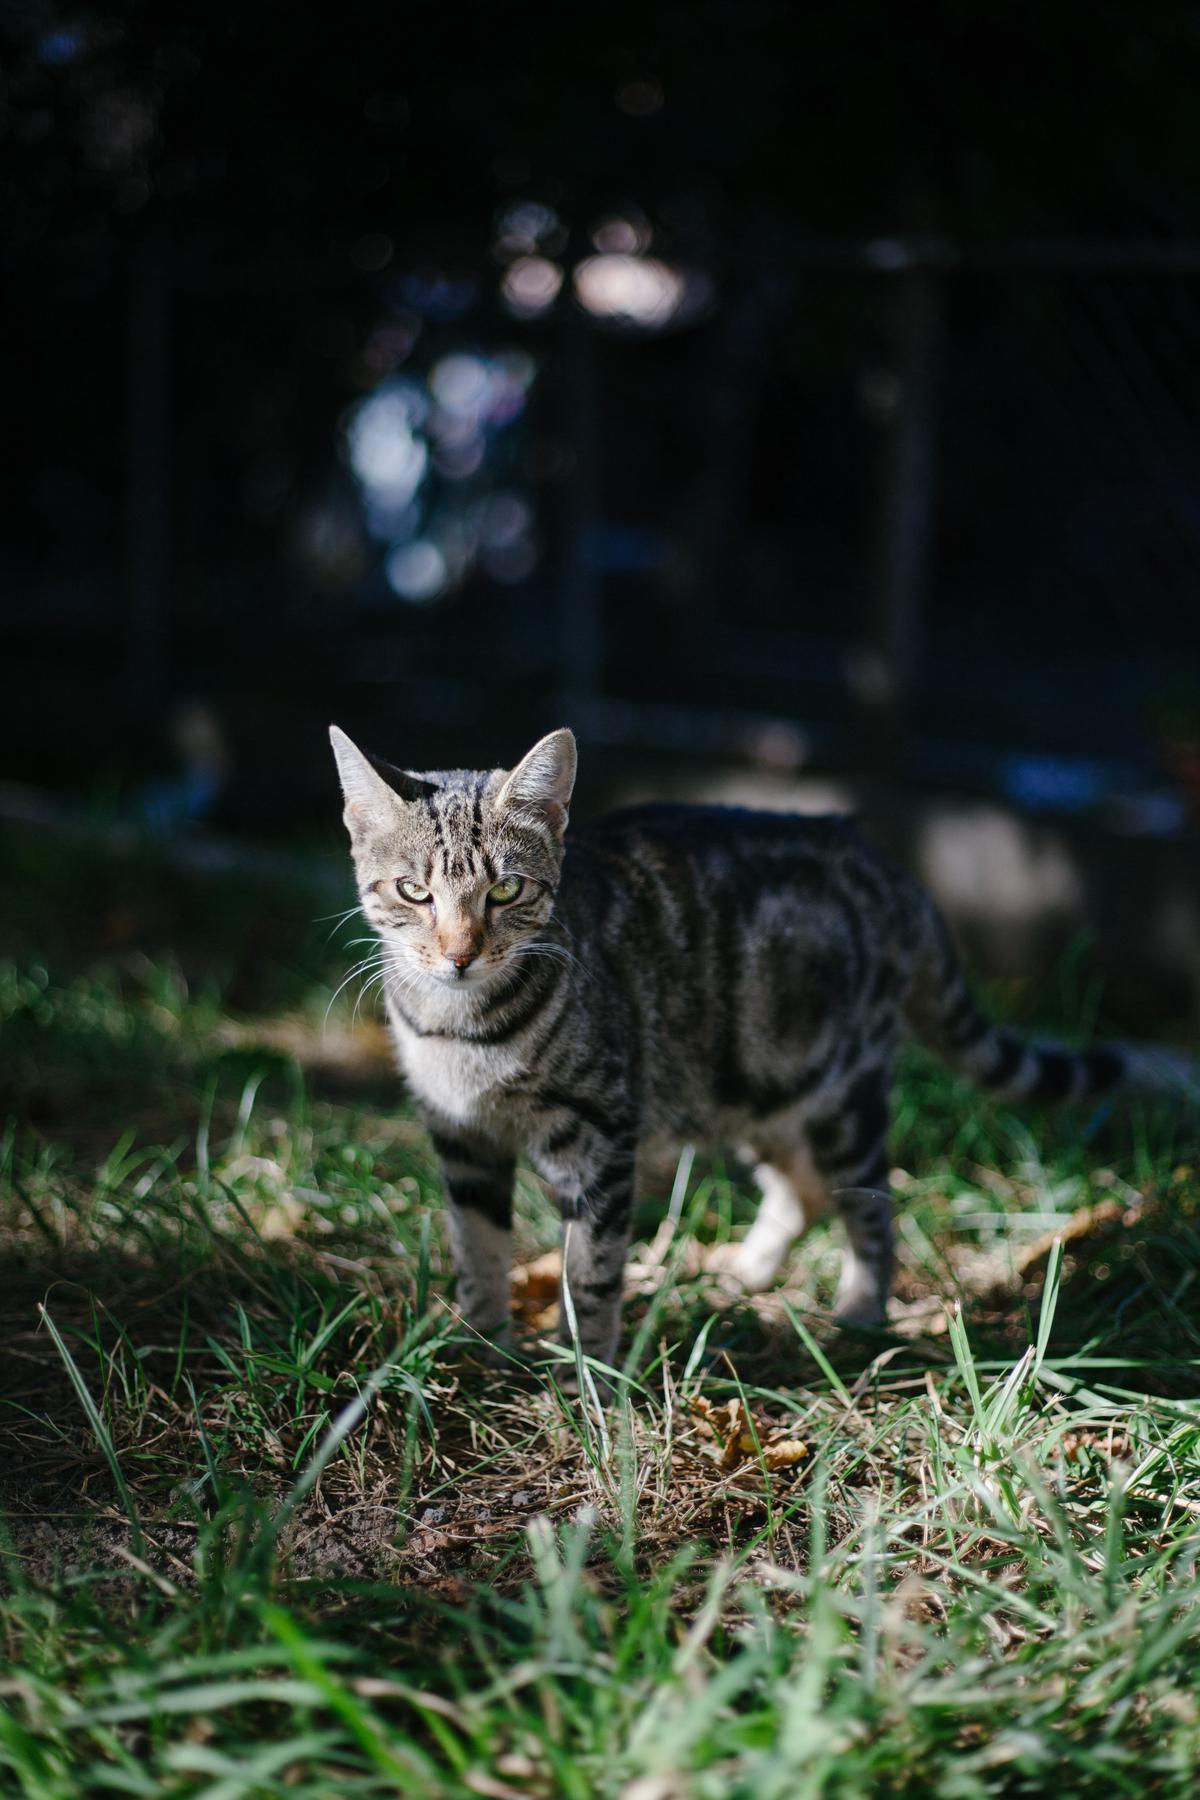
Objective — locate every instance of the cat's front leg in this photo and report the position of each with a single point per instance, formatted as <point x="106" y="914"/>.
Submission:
<point x="596" y="1244"/>
<point x="478" y="1181"/>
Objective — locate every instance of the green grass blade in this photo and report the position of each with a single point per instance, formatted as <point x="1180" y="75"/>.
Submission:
<point x="99" y="1429"/>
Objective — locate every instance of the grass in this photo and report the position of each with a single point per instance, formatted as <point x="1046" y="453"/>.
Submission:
<point x="272" y="1529"/>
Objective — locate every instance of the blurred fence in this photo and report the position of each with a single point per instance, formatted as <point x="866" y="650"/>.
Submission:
<point x="893" y="503"/>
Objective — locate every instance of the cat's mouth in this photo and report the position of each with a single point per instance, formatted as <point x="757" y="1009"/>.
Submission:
<point x="475" y="976"/>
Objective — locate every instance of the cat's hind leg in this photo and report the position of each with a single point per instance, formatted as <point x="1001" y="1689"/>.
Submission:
<point x="793" y="1195"/>
<point x="869" y="1256"/>
<point x="849" y="1149"/>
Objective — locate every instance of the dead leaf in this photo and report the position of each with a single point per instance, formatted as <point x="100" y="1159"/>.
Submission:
<point x="785" y="1453"/>
<point x="741" y="1437"/>
<point x="535" y="1290"/>
<point x="536" y="1282"/>
<point x="1113" y="1447"/>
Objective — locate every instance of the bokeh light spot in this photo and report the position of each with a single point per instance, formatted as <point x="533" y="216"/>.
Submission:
<point x="524" y="225"/>
<point x="387" y="455"/>
<point x="417" y="572"/>
<point x="621" y="236"/>
<point x="460" y="383"/>
<point x="530" y="285"/>
<point x="638" y="289"/>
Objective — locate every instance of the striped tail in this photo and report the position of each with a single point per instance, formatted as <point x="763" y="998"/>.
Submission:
<point x="944" y="1016"/>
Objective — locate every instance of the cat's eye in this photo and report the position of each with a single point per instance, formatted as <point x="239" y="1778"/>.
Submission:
<point x="504" y="890"/>
<point x="414" y="891"/>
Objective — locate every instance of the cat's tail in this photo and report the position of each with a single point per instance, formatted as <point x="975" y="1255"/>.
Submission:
<point x="943" y="1015"/>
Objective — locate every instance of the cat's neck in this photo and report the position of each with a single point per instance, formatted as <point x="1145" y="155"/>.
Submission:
<point x="470" y="1010"/>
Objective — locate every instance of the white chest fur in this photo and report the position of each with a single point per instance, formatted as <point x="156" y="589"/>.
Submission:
<point x="461" y="1080"/>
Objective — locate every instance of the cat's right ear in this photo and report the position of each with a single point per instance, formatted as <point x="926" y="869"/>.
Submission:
<point x="367" y="796"/>
<point x="371" y="785"/>
<point x="370" y="797"/>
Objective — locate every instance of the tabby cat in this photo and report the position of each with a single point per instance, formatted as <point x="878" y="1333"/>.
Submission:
<point x="668" y="973"/>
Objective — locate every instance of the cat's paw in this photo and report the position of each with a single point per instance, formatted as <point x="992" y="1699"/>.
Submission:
<point x="860" y="1310"/>
<point x="742" y="1270"/>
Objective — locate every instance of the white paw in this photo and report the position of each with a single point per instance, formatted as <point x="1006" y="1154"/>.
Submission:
<point x="742" y="1269"/>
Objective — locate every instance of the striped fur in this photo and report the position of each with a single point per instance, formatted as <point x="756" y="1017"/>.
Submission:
<point x="669" y="973"/>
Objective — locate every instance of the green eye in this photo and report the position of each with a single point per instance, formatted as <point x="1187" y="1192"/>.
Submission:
<point x="501" y="892"/>
<point x="412" y="890"/>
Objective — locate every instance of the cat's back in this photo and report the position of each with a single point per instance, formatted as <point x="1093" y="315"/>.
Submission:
<point x="756" y="871"/>
<point x="723" y="843"/>
<point x="744" y="944"/>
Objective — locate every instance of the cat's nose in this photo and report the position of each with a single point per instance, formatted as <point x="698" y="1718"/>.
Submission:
<point x="461" y="959"/>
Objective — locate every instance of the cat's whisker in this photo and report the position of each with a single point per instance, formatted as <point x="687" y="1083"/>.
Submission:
<point x="376" y="980"/>
<point x="552" y="952"/>
<point x="393" y="979"/>
<point x="366" y="964"/>
<point x="338" y="916"/>
<point x="397" y="979"/>
<point x="351" y="975"/>
<point x="339" y="919"/>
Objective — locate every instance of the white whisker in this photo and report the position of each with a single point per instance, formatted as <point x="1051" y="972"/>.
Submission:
<point x="554" y="952"/>
<point x="367" y="963"/>
<point x="339" y="919"/>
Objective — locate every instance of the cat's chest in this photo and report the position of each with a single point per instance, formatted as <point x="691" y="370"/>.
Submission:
<point x="459" y="1079"/>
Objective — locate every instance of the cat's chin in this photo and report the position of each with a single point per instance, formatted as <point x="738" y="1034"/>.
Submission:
<point x="468" y="982"/>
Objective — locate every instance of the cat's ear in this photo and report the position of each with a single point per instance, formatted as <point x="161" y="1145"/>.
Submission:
<point x="371" y="786"/>
<point x="543" y="780"/>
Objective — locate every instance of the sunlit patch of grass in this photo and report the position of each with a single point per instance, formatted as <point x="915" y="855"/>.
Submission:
<point x="272" y="1528"/>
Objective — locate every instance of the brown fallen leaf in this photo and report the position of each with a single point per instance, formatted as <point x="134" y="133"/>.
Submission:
<point x="535" y="1290"/>
<point x="533" y="1283"/>
<point x="1112" y="1446"/>
<point x="741" y="1437"/>
<point x="785" y="1453"/>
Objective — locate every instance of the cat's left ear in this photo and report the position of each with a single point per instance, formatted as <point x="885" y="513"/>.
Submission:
<point x="542" y="781"/>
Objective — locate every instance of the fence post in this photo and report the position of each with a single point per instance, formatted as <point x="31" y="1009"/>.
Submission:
<point x="148" y="492"/>
<point x="906" y="409"/>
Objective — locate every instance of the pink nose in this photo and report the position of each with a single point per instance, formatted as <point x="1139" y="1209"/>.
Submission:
<point x="461" y="959"/>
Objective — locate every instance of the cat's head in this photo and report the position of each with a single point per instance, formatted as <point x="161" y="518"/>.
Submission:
<point x="457" y="868"/>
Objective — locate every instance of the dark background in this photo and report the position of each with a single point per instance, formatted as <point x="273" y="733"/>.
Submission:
<point x="900" y="477"/>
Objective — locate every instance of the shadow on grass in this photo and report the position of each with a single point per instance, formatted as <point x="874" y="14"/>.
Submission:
<point x="92" y="1062"/>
